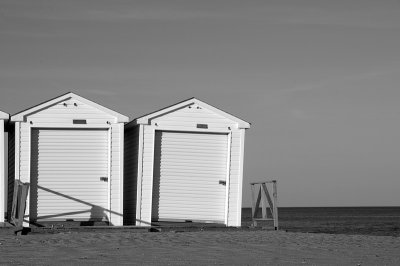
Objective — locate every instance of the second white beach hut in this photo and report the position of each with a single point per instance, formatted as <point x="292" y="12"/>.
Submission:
<point x="70" y="150"/>
<point x="3" y="121"/>
<point x="184" y="163"/>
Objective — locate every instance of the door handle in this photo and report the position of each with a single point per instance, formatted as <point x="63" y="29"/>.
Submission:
<point x="222" y="182"/>
<point x="104" y="178"/>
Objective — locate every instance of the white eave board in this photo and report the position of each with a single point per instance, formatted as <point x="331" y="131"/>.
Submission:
<point x="19" y="117"/>
<point x="4" y="116"/>
<point x="145" y="119"/>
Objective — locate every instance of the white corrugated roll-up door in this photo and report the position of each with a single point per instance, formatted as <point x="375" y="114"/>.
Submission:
<point x="190" y="171"/>
<point x="69" y="174"/>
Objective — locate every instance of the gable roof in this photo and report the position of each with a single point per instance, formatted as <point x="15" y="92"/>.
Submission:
<point x="145" y="119"/>
<point x="20" y="116"/>
<point x="4" y="116"/>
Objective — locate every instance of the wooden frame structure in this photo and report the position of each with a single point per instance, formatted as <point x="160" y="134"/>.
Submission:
<point x="264" y="197"/>
<point x="19" y="203"/>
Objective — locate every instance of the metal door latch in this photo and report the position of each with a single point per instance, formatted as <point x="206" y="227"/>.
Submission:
<point x="104" y="178"/>
<point x="222" y="182"/>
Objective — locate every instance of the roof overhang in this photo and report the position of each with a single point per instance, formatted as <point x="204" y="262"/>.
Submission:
<point x="4" y="116"/>
<point x="20" y="117"/>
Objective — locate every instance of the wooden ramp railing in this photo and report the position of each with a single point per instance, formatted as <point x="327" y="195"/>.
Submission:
<point x="19" y="203"/>
<point x="261" y="194"/>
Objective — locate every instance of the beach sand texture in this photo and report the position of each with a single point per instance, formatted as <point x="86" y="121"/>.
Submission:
<point x="220" y="247"/>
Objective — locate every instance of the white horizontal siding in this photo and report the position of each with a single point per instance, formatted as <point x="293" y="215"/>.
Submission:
<point x="69" y="188"/>
<point x="59" y="113"/>
<point x="188" y="117"/>
<point x="191" y="191"/>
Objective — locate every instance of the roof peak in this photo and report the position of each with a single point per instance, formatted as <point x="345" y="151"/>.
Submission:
<point x="20" y="116"/>
<point x="145" y="118"/>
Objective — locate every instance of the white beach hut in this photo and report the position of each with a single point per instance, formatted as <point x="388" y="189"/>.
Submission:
<point x="70" y="150"/>
<point x="3" y="120"/>
<point x="184" y="163"/>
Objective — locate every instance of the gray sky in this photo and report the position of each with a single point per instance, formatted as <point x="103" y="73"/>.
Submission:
<point x="318" y="80"/>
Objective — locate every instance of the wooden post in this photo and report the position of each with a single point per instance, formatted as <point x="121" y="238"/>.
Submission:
<point x="253" y="204"/>
<point x="275" y="195"/>
<point x="19" y="203"/>
<point x="14" y="206"/>
<point x="263" y="206"/>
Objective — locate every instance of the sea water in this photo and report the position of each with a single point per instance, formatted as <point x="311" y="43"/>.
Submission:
<point x="384" y="221"/>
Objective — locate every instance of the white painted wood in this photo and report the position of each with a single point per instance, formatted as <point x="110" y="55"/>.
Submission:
<point x="116" y="186"/>
<point x="146" y="184"/>
<point x="236" y="179"/>
<point x="121" y="175"/>
<point x="24" y="155"/>
<point x="71" y="111"/>
<point x="188" y="168"/>
<point x="228" y="179"/>
<point x="190" y="116"/>
<point x="4" y="116"/>
<point x="109" y="147"/>
<point x="76" y="106"/>
<point x="67" y="165"/>
<point x="191" y="103"/>
<point x="238" y="218"/>
<point x="139" y="177"/>
<point x="17" y="150"/>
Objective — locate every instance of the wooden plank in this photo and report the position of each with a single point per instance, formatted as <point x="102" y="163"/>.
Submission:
<point x="19" y="203"/>
<point x="268" y="198"/>
<point x="253" y="200"/>
<point x="257" y="205"/>
<point x="263" y="206"/>
<point x="261" y="182"/>
<point x="275" y="195"/>
<point x="15" y="202"/>
<point x="22" y="203"/>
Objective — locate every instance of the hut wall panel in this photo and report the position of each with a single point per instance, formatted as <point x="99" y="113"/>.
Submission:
<point x="147" y="175"/>
<point x="116" y="174"/>
<point x="24" y="153"/>
<point x="236" y="179"/>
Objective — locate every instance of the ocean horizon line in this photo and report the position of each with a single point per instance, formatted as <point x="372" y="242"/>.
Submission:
<point x="383" y="206"/>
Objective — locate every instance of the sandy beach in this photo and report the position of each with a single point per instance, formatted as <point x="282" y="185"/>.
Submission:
<point x="217" y="247"/>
